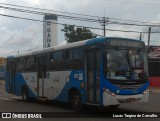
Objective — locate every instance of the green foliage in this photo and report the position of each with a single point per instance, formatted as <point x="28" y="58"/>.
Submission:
<point x="73" y="34"/>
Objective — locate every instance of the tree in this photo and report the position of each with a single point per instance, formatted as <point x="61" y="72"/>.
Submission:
<point x="73" y="34"/>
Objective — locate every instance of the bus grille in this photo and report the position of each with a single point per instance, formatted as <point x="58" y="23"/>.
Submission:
<point x="129" y="86"/>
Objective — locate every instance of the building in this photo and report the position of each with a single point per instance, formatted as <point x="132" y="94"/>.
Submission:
<point x="154" y="66"/>
<point x="2" y="68"/>
<point x="50" y="31"/>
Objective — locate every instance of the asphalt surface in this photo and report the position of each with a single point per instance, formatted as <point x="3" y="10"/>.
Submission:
<point x="63" y="111"/>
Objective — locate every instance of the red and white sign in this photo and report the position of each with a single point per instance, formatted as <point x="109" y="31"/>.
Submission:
<point x="154" y="51"/>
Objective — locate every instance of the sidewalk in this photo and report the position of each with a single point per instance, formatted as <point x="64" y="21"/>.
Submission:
<point x="2" y="81"/>
<point x="154" y="89"/>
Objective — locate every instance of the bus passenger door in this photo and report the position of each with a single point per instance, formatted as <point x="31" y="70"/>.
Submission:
<point x="41" y="83"/>
<point x="93" y="75"/>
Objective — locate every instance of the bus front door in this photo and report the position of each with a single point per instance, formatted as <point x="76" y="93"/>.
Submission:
<point x="93" y="75"/>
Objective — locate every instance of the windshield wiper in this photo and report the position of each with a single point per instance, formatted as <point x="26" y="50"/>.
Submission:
<point x="128" y="60"/>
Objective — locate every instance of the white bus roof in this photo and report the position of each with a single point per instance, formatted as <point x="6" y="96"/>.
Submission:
<point x="66" y="46"/>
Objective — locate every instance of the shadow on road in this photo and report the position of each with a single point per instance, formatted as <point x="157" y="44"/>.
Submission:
<point x="87" y="112"/>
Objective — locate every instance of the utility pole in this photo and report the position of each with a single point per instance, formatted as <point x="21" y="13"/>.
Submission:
<point x="140" y="37"/>
<point x="103" y="22"/>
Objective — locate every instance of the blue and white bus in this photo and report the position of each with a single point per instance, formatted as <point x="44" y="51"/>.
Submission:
<point x="101" y="71"/>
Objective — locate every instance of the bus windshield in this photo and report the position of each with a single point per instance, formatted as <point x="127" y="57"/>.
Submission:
<point x="125" y="64"/>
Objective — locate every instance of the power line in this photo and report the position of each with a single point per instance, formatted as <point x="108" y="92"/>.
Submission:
<point x="78" y="18"/>
<point x="43" y="13"/>
<point x="49" y="10"/>
<point x="88" y="19"/>
<point x="75" y="18"/>
<point x="115" y="20"/>
<point x="131" y="2"/>
<point x="23" y="10"/>
<point x="21" y="18"/>
<point x="43" y="21"/>
<point x="134" y="24"/>
<point x="124" y="31"/>
<point x="75" y="25"/>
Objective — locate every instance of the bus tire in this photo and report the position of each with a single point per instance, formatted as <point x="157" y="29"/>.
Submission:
<point x="25" y="95"/>
<point x="75" y="100"/>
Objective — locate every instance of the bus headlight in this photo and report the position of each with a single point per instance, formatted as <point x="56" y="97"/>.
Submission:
<point x="109" y="92"/>
<point x="145" y="91"/>
<point x="113" y="94"/>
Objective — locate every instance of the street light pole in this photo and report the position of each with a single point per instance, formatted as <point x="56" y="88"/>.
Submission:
<point x="140" y="37"/>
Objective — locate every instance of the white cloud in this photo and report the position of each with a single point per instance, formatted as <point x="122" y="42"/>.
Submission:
<point x="5" y="52"/>
<point x="21" y="39"/>
<point x="20" y="35"/>
<point x="33" y="2"/>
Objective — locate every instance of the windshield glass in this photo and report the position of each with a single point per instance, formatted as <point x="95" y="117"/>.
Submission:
<point x="123" y="64"/>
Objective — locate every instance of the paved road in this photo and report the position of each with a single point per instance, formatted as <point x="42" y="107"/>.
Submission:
<point x="11" y="103"/>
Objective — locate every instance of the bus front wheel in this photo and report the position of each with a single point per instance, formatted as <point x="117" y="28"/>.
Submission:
<point x="76" y="101"/>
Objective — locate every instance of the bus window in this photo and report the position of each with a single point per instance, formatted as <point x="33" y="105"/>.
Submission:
<point x="31" y="64"/>
<point x="57" y="61"/>
<point x="122" y="64"/>
<point x="21" y="64"/>
<point x="74" y="58"/>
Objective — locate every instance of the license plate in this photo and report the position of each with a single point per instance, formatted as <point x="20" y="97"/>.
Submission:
<point x="130" y="100"/>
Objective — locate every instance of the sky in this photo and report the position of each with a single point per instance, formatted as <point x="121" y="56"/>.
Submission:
<point x="22" y="35"/>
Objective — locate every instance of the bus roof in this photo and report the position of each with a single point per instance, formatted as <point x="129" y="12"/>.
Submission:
<point x="55" y="48"/>
<point x="70" y="45"/>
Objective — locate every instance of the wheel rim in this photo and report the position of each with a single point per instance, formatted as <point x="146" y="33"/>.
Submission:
<point x="76" y="100"/>
<point x="24" y="96"/>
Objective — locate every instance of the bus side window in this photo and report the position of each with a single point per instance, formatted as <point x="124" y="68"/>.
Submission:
<point x="74" y="58"/>
<point x="21" y="64"/>
<point x="31" y="64"/>
<point x="57" y="61"/>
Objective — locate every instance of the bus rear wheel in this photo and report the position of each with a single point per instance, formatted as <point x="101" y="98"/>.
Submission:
<point x="25" y="96"/>
<point x="75" y="101"/>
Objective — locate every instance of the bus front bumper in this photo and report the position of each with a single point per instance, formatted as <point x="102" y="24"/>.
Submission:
<point x="108" y="99"/>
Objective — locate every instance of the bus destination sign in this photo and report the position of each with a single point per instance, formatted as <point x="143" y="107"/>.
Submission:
<point x="125" y="43"/>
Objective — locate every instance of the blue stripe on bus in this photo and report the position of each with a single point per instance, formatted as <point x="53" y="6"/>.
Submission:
<point x="94" y="41"/>
<point x="19" y="82"/>
<point x="113" y="88"/>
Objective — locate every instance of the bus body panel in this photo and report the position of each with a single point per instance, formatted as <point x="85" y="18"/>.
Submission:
<point x="56" y="84"/>
<point x="75" y="79"/>
<point x="130" y="91"/>
<point x="119" y="99"/>
<point x="31" y="81"/>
